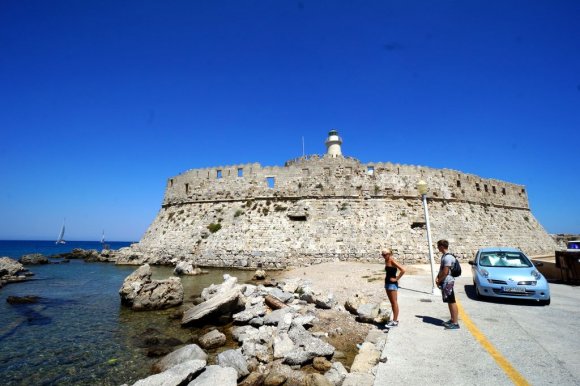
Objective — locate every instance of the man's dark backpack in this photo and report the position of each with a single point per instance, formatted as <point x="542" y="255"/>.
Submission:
<point x="455" y="269"/>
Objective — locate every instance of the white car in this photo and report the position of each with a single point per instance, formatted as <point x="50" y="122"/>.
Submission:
<point x="508" y="273"/>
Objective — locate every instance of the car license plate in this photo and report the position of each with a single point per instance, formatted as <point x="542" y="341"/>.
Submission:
<point x="514" y="289"/>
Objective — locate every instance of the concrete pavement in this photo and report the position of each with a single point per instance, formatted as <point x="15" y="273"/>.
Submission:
<point x="421" y="351"/>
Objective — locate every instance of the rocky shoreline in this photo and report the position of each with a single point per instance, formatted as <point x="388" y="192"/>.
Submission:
<point x="275" y="330"/>
<point x="282" y="330"/>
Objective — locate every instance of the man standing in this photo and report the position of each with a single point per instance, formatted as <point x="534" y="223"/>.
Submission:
<point x="446" y="282"/>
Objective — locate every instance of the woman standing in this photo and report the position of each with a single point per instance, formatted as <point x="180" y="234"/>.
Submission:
<point x="392" y="284"/>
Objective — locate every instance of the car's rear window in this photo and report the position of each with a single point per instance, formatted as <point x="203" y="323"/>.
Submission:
<point x="504" y="259"/>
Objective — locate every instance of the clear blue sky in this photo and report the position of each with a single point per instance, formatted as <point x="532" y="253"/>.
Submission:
<point x="102" y="101"/>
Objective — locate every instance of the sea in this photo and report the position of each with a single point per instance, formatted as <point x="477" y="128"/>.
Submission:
<point x="79" y="333"/>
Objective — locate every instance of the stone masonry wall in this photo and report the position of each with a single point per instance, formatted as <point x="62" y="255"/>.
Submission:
<point x="322" y="208"/>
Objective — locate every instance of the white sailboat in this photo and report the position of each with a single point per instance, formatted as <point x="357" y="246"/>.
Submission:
<point x="103" y="238"/>
<point x="60" y="239"/>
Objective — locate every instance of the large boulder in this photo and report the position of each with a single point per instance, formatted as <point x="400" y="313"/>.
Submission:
<point x="180" y="374"/>
<point x="33" y="259"/>
<point x="185" y="354"/>
<point x="226" y="302"/>
<point x="141" y="293"/>
<point x="216" y="376"/>
<point x="10" y="267"/>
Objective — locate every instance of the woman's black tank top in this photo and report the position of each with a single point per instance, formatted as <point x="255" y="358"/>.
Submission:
<point x="391" y="272"/>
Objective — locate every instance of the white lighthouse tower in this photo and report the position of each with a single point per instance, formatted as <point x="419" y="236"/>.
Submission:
<point x="333" y="143"/>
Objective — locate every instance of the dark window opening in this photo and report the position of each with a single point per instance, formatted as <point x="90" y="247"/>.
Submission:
<point x="171" y="183"/>
<point x="523" y="191"/>
<point x="418" y="224"/>
<point x="493" y="190"/>
<point x="485" y="187"/>
<point x="458" y="184"/>
<point x="370" y="170"/>
<point x="186" y="188"/>
<point x="503" y="191"/>
<point x="477" y="187"/>
<point x="297" y="217"/>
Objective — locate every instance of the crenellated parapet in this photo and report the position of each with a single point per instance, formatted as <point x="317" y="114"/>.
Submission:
<point x="327" y="177"/>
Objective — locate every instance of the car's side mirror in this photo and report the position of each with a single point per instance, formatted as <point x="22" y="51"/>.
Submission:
<point x="471" y="262"/>
<point x="539" y="264"/>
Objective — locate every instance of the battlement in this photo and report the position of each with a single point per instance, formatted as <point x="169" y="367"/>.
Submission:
<point x="323" y="176"/>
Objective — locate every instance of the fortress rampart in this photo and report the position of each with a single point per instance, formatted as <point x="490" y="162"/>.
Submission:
<point x="321" y="208"/>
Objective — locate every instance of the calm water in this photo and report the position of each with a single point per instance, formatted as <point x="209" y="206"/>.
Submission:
<point x="79" y="333"/>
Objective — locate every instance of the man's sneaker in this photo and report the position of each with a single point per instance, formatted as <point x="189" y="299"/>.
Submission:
<point x="391" y="324"/>
<point x="447" y="323"/>
<point x="452" y="326"/>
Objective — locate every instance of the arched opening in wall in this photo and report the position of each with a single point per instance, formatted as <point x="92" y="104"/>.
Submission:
<point x="371" y="170"/>
<point x="240" y="172"/>
<point x="503" y="191"/>
<point x="419" y="225"/>
<point x="485" y="187"/>
<point x="186" y="188"/>
<point x="458" y="184"/>
<point x="219" y="174"/>
<point x="271" y="182"/>
<point x="171" y="183"/>
<point x="493" y="190"/>
<point x="477" y="187"/>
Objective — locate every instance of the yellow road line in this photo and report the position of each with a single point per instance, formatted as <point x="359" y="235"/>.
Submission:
<point x="511" y="372"/>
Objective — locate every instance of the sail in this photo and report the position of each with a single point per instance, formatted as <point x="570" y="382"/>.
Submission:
<point x="60" y="239"/>
<point x="103" y="238"/>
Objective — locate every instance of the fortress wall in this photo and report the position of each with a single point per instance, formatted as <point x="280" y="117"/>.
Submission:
<point x="323" y="208"/>
<point x="259" y="233"/>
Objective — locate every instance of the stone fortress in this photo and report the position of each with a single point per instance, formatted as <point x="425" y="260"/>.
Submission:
<point x="321" y="208"/>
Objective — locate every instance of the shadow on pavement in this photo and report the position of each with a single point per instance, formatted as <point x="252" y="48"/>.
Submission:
<point x="430" y="320"/>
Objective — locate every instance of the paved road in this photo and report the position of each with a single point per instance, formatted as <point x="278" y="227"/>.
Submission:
<point x="536" y="344"/>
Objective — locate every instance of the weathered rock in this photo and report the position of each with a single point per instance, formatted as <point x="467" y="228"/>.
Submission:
<point x="321" y="364"/>
<point x="228" y="301"/>
<point x="274" y="317"/>
<point x="216" y="375"/>
<point x="174" y="376"/>
<point x="243" y="332"/>
<point x="187" y="268"/>
<point x="354" y="302"/>
<point x="366" y="359"/>
<point x="259" y="275"/>
<point x="336" y="373"/>
<point x="282" y="345"/>
<point x="235" y="360"/>
<point x="10" y="267"/>
<point x="317" y="380"/>
<point x="30" y="299"/>
<point x="141" y="293"/>
<point x="185" y="354"/>
<point x="358" y="379"/>
<point x="254" y="379"/>
<point x="214" y="289"/>
<point x="326" y="301"/>
<point x="307" y="347"/>
<point x="283" y="296"/>
<point x="33" y="259"/>
<point x="212" y="339"/>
